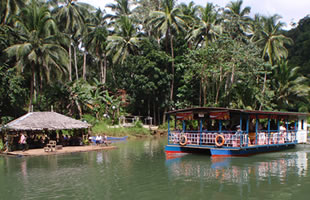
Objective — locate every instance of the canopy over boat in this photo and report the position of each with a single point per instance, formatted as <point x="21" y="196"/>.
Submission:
<point x="210" y="109"/>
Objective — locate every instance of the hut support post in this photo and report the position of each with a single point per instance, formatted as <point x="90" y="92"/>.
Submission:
<point x="168" y="119"/>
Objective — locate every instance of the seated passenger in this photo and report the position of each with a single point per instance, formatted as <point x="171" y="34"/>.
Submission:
<point x="238" y="130"/>
<point x="105" y="139"/>
<point x="98" y="139"/>
<point x="282" y="128"/>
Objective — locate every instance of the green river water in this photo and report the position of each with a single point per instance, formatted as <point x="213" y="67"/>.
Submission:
<point x="140" y="170"/>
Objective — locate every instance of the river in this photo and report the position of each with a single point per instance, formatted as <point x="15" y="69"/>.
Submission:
<point x="139" y="169"/>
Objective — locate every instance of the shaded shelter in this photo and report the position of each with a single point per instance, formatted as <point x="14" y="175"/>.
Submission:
<point x="34" y="121"/>
<point x="46" y="123"/>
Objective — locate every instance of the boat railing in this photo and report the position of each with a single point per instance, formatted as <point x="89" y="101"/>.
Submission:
<point x="276" y="137"/>
<point x="233" y="138"/>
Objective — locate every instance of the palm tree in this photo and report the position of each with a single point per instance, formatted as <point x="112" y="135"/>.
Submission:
<point x="289" y="85"/>
<point x="38" y="49"/>
<point x="70" y="16"/>
<point x="9" y="8"/>
<point x="121" y="8"/>
<point x="190" y="10"/>
<point x="96" y="41"/>
<point x="268" y="35"/>
<point x="237" y="17"/>
<point x="235" y="9"/>
<point x="3" y="37"/>
<point x="270" y="38"/>
<point x="167" y="20"/>
<point x="140" y="15"/>
<point x="124" y="41"/>
<point x="208" y="27"/>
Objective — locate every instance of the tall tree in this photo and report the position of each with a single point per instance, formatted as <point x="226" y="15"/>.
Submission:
<point x="167" y="20"/>
<point x="124" y="41"/>
<point x="121" y="8"/>
<point x="268" y="36"/>
<point x="9" y="8"/>
<point x="213" y="66"/>
<point x="272" y="40"/>
<point x="190" y="10"/>
<point x="38" y="49"/>
<point x="238" y="18"/>
<point x="140" y="16"/>
<point x="298" y="53"/>
<point x="208" y="26"/>
<point x="96" y="41"/>
<point x="70" y="16"/>
<point x="289" y="86"/>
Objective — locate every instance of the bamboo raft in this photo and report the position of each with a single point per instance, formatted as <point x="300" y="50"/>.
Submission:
<point x="64" y="150"/>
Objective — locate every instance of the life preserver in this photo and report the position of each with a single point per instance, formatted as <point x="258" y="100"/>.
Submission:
<point x="217" y="140"/>
<point x="183" y="140"/>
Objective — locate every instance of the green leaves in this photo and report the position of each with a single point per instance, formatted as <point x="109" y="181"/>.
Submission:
<point x="228" y="73"/>
<point x="160" y="54"/>
<point x="268" y="35"/>
<point x="13" y="93"/>
<point x="124" y="41"/>
<point x="289" y="86"/>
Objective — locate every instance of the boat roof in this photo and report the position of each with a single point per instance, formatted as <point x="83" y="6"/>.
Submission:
<point x="259" y="112"/>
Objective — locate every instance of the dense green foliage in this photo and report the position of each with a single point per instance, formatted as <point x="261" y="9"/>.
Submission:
<point x="300" y="51"/>
<point x="145" y="61"/>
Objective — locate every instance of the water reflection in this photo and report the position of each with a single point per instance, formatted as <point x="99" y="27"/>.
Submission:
<point x="238" y="170"/>
<point x="24" y="168"/>
<point x="139" y="170"/>
<point x="99" y="157"/>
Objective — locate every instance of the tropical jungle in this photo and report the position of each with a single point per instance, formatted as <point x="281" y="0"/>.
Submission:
<point x="147" y="57"/>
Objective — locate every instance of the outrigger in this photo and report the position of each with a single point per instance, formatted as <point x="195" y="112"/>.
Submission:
<point x="234" y="132"/>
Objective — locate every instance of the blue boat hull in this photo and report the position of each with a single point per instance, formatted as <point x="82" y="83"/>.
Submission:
<point x="228" y="152"/>
<point x="117" y="138"/>
<point x="179" y="149"/>
<point x="217" y="152"/>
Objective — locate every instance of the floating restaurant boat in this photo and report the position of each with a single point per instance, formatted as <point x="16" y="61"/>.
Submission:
<point x="233" y="132"/>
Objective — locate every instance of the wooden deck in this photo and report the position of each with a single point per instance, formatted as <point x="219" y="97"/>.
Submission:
<point x="64" y="150"/>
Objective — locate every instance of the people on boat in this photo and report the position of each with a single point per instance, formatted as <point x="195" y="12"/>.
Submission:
<point x="282" y="128"/>
<point x="238" y="131"/>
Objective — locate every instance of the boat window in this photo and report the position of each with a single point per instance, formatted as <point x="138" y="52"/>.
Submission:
<point x="302" y="124"/>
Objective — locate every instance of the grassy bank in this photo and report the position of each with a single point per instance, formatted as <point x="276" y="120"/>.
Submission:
<point x="136" y="131"/>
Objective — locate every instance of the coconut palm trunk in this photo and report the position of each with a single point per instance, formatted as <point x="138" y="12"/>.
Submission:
<point x="75" y="63"/>
<point x="172" y="66"/>
<point x="105" y="63"/>
<point x="31" y="87"/>
<point x="84" y="66"/>
<point x="70" y="62"/>
<point x="101" y="70"/>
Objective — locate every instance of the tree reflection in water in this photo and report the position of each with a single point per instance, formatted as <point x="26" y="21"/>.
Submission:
<point x="238" y="169"/>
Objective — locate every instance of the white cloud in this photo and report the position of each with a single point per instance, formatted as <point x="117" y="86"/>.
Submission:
<point x="289" y="10"/>
<point x="98" y="3"/>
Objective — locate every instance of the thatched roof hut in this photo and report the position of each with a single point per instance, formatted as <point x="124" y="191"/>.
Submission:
<point x="36" y="121"/>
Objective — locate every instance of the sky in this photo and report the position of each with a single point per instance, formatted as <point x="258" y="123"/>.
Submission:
<point x="289" y="10"/>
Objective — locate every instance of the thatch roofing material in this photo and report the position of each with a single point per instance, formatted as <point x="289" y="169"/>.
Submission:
<point x="45" y="121"/>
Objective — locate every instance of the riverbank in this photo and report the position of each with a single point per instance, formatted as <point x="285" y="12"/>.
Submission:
<point x="64" y="150"/>
<point x="131" y="130"/>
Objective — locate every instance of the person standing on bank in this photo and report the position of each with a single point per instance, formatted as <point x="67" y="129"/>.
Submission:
<point x="22" y="141"/>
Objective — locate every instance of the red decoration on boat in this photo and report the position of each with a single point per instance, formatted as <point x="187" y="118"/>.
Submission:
<point x="222" y="115"/>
